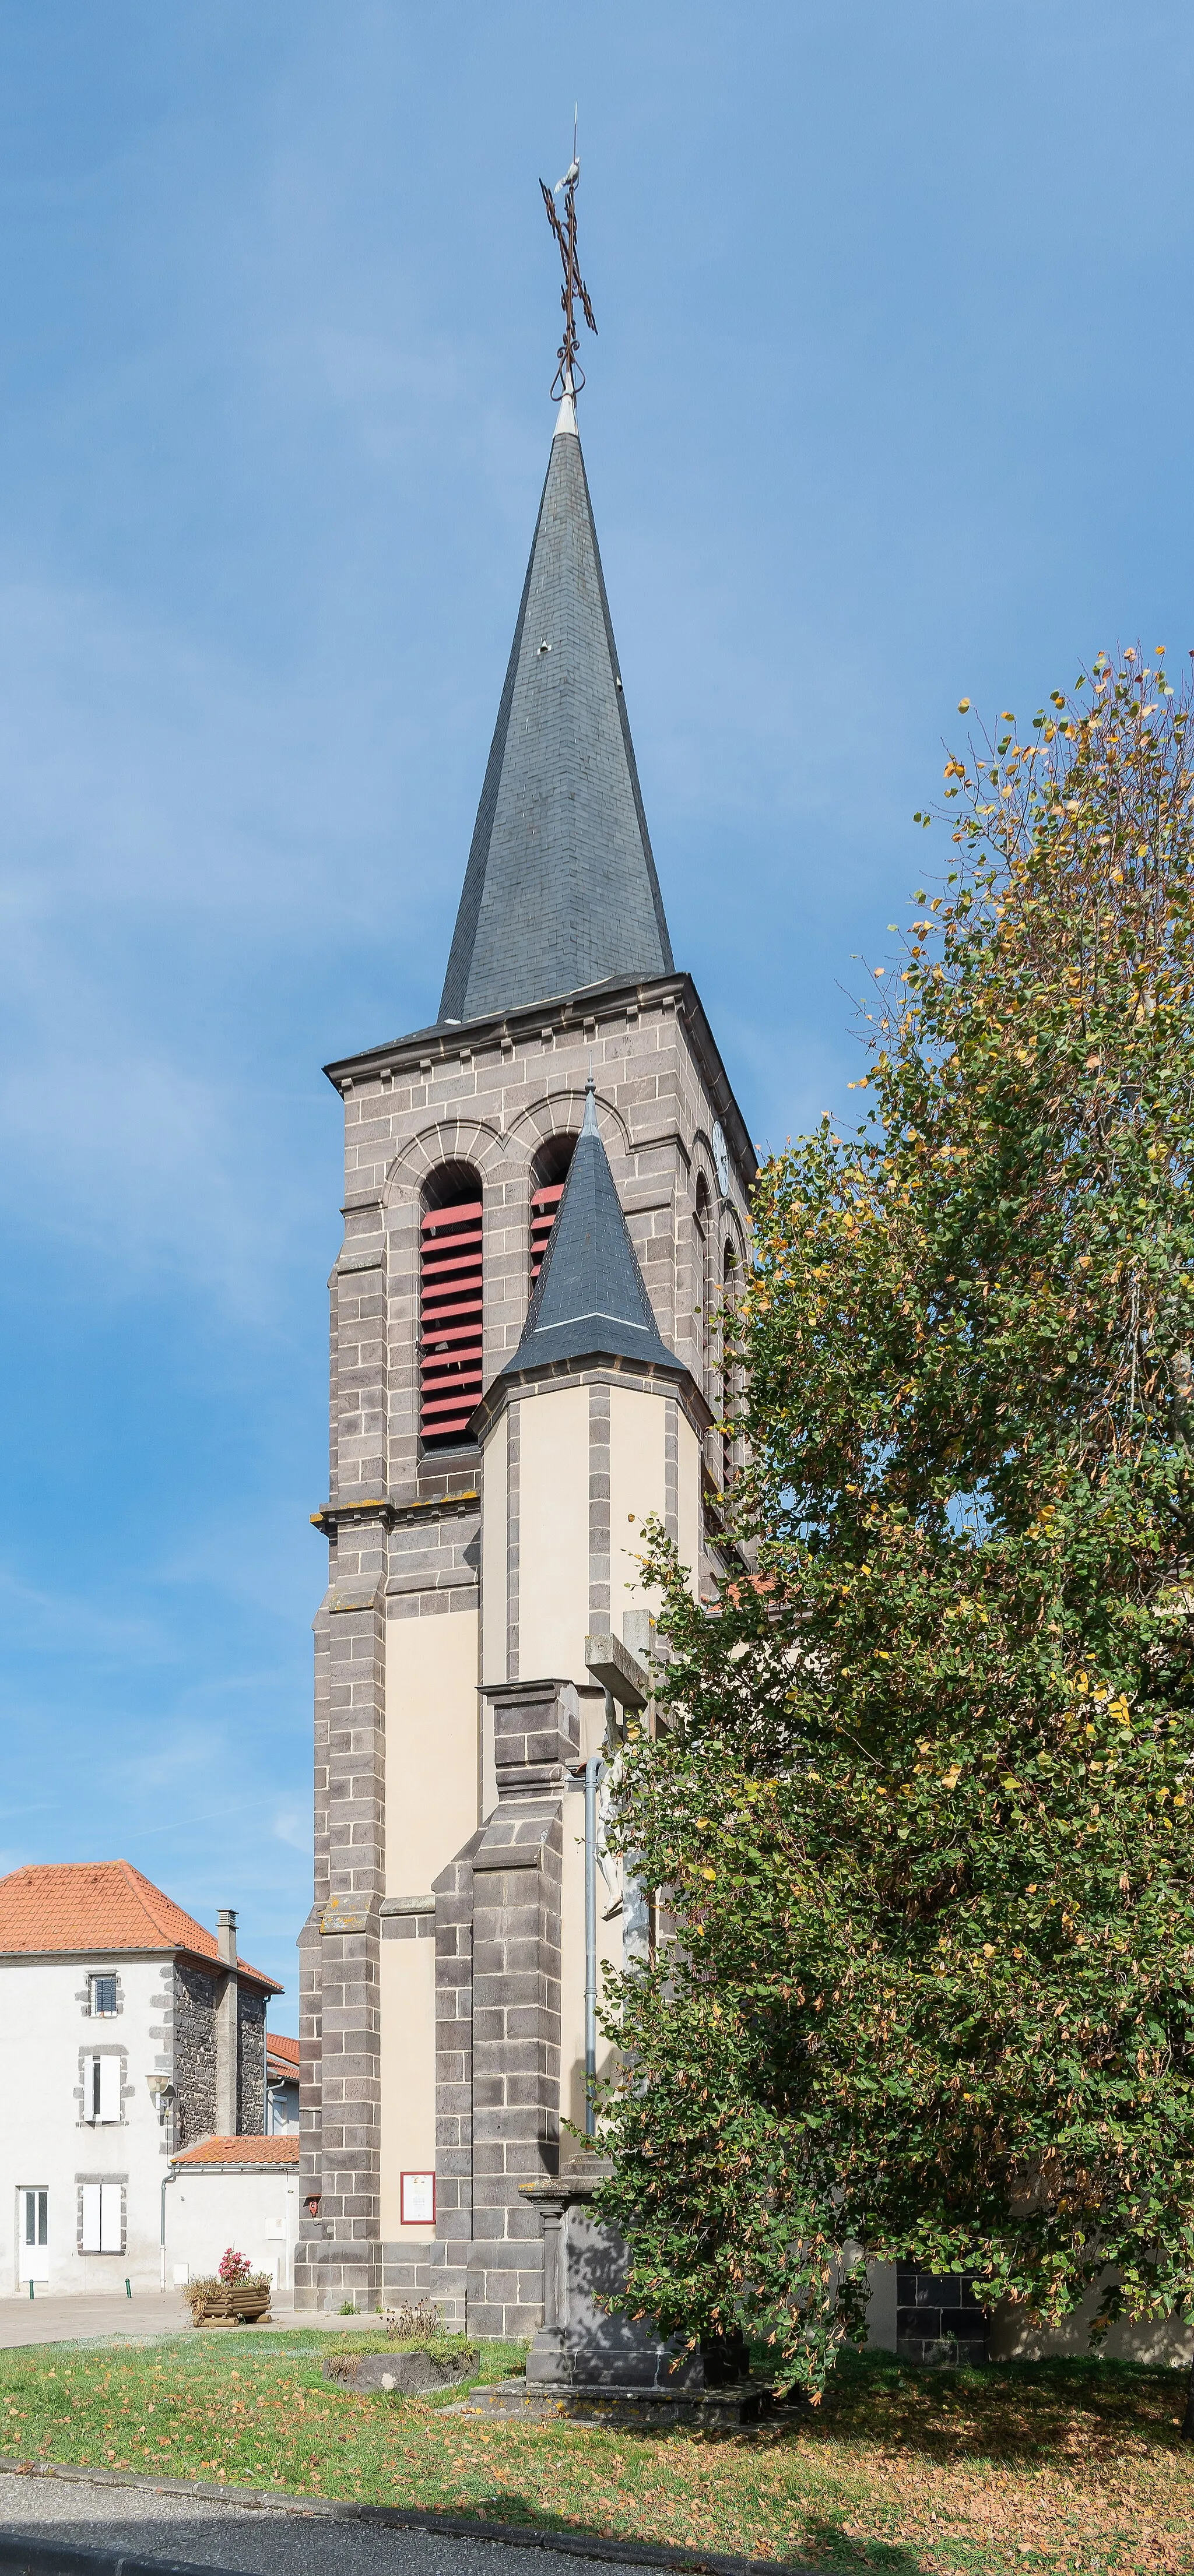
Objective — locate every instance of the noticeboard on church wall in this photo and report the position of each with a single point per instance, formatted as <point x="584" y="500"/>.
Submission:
<point x="418" y="2199"/>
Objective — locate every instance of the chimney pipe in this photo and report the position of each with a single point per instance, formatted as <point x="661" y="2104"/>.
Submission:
<point x="226" y="2017"/>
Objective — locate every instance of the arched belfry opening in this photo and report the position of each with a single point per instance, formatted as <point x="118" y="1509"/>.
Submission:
<point x="702" y="1281"/>
<point x="731" y="1391"/>
<point x="549" y="1172"/>
<point x="450" y="1304"/>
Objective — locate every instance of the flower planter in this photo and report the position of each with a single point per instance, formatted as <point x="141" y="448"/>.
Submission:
<point x="244" y="2303"/>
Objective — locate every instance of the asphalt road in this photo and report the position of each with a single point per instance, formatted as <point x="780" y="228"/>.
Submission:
<point x="260" y="2542"/>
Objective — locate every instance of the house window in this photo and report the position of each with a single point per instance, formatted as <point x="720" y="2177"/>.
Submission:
<point x="103" y="1995"/>
<point x="33" y="2235"/>
<point x="101" y="2088"/>
<point x="450" y="1314"/>
<point x="102" y="2231"/>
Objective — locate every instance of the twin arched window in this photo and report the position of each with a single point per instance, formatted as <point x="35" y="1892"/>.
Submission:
<point x="720" y="1380"/>
<point x="451" y="1283"/>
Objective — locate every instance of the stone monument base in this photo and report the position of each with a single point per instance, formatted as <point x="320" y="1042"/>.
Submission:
<point x="589" y="2361"/>
<point x="743" y="2401"/>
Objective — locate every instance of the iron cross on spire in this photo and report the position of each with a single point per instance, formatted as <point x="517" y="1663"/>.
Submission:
<point x="569" y="375"/>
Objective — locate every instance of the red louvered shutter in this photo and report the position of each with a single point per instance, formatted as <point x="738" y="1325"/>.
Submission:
<point x="450" y="1319"/>
<point x="544" y="1207"/>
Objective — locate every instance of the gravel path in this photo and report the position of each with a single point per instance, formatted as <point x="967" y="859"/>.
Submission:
<point x="84" y="2319"/>
<point x="87" y="2320"/>
<point x="151" y="2524"/>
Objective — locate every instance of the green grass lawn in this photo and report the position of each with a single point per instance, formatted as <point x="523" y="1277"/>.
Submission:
<point x="1064" y="2466"/>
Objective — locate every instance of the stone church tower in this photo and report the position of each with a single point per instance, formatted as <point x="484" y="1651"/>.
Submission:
<point x="544" y="1193"/>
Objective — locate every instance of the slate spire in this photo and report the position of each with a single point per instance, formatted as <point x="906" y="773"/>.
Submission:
<point x="589" y="1299"/>
<point x="560" y="890"/>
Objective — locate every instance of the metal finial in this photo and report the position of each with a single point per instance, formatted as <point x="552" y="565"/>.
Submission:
<point x="569" y="375"/>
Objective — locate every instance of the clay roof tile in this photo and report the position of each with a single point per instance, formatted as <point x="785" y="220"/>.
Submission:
<point x="279" y="2150"/>
<point x="104" y="1906"/>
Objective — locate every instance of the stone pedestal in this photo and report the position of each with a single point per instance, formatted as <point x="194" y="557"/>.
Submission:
<point x="584" y="2359"/>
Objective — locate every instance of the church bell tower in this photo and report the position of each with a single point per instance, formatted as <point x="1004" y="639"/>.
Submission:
<point x="546" y="1190"/>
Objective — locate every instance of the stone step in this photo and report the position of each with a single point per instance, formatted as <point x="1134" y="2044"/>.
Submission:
<point x="744" y="2401"/>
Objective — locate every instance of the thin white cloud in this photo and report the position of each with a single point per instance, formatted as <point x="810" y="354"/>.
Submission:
<point x="293" y="1825"/>
<point x="80" y="1627"/>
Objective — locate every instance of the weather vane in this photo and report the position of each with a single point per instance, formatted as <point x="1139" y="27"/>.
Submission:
<point x="569" y="375"/>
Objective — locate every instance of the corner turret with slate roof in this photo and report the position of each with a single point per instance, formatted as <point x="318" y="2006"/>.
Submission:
<point x="589" y="1298"/>
<point x="525" y="1363"/>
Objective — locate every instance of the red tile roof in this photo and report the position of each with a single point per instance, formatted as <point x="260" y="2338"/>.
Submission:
<point x="104" y="1906"/>
<point x="285" y="2050"/>
<point x="241" y="2151"/>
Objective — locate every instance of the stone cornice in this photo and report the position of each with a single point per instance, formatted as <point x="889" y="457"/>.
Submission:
<point x="597" y="1368"/>
<point x="383" y="1507"/>
<point x="565" y="1014"/>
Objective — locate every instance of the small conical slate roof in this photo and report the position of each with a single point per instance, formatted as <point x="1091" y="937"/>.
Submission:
<point x="560" y="890"/>
<point x="589" y="1299"/>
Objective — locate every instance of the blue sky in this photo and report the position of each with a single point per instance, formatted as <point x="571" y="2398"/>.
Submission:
<point x="890" y="404"/>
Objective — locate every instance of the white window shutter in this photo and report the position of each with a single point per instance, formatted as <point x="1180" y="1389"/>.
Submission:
<point x="110" y="2215"/>
<point x="91" y="2218"/>
<point x="109" y="2099"/>
<point x="90" y="2088"/>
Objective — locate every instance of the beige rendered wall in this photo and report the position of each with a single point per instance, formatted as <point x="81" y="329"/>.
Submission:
<point x="493" y="1553"/>
<point x="572" y="1967"/>
<point x="407" y="2077"/>
<point x="553" y="1533"/>
<point x="1161" y="2342"/>
<point x="431" y="1746"/>
<point x="493" y="1593"/>
<point x="638" y="1485"/>
<point x="689" y="1513"/>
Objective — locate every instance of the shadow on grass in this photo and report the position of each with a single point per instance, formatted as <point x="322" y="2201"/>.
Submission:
<point x="832" y="2547"/>
<point x="1014" y="2411"/>
<point x="878" y="2557"/>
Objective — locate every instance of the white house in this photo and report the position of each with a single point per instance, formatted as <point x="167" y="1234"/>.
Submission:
<point x="281" y="2085"/>
<point x="241" y="2192"/>
<point x="138" y="2033"/>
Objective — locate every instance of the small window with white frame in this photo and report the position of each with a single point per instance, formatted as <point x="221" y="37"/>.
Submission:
<point x="101" y="2088"/>
<point x="103" y="1997"/>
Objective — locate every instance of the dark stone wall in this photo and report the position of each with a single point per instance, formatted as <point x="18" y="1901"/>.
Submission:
<point x="938" y="2318"/>
<point x="308" y="2251"/>
<point x="498" y="1963"/>
<point x="250" y="2060"/>
<point x="195" y="1990"/>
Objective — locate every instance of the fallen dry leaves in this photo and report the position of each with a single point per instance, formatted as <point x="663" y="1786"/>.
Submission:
<point x="1074" y="2468"/>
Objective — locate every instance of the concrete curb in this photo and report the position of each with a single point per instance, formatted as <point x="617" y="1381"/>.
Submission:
<point x="71" y="2561"/>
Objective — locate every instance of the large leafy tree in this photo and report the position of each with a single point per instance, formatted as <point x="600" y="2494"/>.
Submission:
<point x="920" y="1796"/>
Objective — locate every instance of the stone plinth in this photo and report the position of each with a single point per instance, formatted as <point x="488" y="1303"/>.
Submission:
<point x="585" y="2360"/>
<point x="938" y="2319"/>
